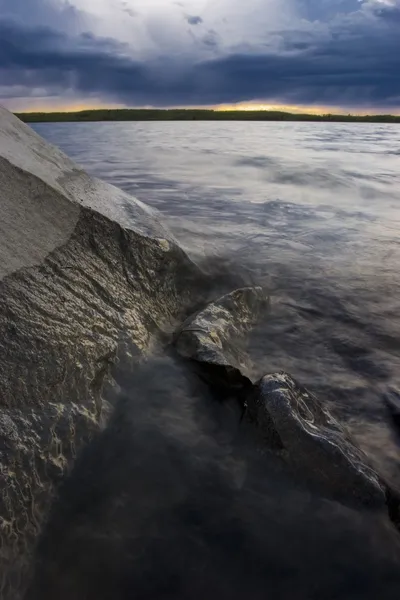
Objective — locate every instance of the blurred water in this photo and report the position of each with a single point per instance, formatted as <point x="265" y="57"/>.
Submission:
<point x="173" y="500"/>
<point x="312" y="211"/>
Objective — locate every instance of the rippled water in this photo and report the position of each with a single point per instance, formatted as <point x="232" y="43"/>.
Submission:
<point x="311" y="211"/>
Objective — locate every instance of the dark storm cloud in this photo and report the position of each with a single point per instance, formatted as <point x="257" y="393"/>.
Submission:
<point x="353" y="62"/>
<point x="210" y="39"/>
<point x="317" y="76"/>
<point x="42" y="57"/>
<point x="60" y="16"/>
<point x="194" y="20"/>
<point x="315" y="10"/>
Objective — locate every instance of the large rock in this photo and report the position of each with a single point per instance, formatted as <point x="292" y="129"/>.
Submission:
<point x="212" y="337"/>
<point x="316" y="444"/>
<point x="88" y="277"/>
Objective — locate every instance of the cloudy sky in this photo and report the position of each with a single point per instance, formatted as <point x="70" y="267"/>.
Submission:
<point x="340" y="54"/>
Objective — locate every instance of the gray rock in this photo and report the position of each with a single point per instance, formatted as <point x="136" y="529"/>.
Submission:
<point x="316" y="444"/>
<point x="212" y="336"/>
<point x="88" y="278"/>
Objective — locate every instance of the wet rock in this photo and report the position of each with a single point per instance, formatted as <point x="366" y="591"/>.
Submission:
<point x="392" y="402"/>
<point x="315" y="443"/>
<point x="212" y="337"/>
<point x="86" y="274"/>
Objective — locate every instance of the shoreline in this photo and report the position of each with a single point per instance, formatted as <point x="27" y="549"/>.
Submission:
<point x="101" y="115"/>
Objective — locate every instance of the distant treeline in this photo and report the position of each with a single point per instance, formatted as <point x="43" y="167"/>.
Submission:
<point x="132" y="114"/>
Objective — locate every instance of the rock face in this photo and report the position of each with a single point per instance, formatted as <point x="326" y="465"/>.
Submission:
<point x="88" y="277"/>
<point x="211" y="337"/>
<point x="316" y="444"/>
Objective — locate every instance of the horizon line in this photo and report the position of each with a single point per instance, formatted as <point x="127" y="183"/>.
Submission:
<point x="251" y="106"/>
<point x="283" y="109"/>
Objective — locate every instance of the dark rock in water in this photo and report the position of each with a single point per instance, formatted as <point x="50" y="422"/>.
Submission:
<point x="212" y="337"/>
<point x="88" y="277"/>
<point x="392" y="401"/>
<point x="316" y="444"/>
<point x="159" y="506"/>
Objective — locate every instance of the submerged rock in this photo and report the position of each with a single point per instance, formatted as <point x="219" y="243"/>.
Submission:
<point x="315" y="443"/>
<point x="159" y="505"/>
<point x="88" y="278"/>
<point x="212" y="337"/>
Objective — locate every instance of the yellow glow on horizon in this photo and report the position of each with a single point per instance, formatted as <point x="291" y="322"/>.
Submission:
<point x="73" y="107"/>
<point x="240" y="106"/>
<point x="249" y="106"/>
<point x="313" y="110"/>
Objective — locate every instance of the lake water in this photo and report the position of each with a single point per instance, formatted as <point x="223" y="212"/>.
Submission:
<point x="309" y="210"/>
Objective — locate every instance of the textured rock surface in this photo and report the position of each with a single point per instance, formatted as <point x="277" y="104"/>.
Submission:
<point x="316" y="444"/>
<point x="87" y="276"/>
<point x="211" y="337"/>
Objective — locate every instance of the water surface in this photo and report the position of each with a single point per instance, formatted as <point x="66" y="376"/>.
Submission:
<point x="313" y="212"/>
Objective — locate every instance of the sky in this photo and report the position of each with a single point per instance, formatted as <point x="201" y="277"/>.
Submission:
<point x="315" y="54"/>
